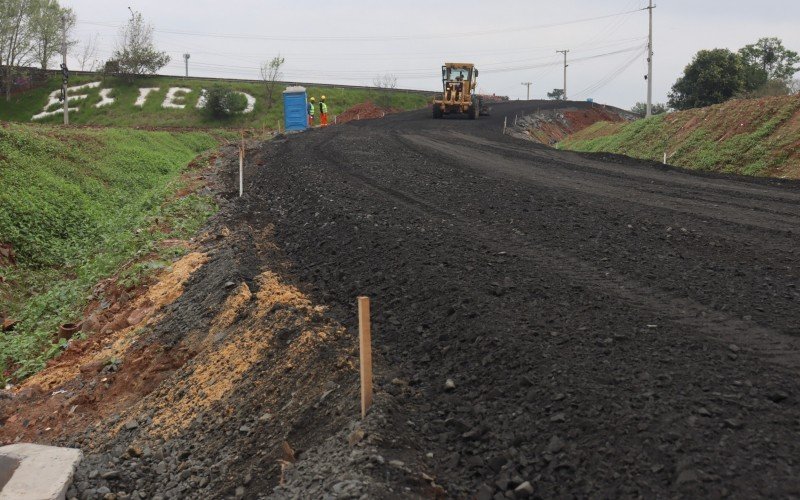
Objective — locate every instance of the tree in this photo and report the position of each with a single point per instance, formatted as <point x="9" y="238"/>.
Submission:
<point x="713" y="76"/>
<point x="87" y="55"/>
<point x="47" y="29"/>
<point x="16" y="39"/>
<point x="385" y="83"/>
<point x="556" y="95"/>
<point x="270" y="74"/>
<point x="136" y="54"/>
<point x="774" y="60"/>
<point x="640" y="108"/>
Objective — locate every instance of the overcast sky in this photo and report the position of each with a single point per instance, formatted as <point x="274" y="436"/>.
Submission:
<point x="511" y="41"/>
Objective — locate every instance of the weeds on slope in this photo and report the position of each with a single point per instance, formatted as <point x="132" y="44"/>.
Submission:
<point x="76" y="205"/>
<point x="750" y="137"/>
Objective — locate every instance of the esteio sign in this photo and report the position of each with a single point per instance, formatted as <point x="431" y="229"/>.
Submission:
<point x="175" y="99"/>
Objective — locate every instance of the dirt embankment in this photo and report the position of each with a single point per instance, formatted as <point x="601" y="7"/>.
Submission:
<point x="554" y="125"/>
<point x="748" y="136"/>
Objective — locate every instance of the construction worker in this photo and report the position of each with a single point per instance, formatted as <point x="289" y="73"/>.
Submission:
<point x="311" y="112"/>
<point x="323" y="112"/>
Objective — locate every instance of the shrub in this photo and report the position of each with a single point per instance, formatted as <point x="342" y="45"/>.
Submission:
<point x="222" y="102"/>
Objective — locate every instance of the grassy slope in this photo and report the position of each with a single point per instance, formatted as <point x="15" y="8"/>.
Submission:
<point x="752" y="137"/>
<point x="72" y="203"/>
<point x="123" y="113"/>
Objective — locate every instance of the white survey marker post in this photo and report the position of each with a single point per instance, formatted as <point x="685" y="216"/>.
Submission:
<point x="365" y="350"/>
<point x="241" y="166"/>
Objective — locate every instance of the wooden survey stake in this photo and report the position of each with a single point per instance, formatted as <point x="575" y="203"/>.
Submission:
<point x="365" y="348"/>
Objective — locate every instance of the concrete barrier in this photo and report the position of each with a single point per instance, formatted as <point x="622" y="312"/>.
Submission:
<point x="36" y="472"/>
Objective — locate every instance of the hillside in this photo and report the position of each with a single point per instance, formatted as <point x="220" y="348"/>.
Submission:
<point x="75" y="205"/>
<point x="758" y="137"/>
<point x="119" y="106"/>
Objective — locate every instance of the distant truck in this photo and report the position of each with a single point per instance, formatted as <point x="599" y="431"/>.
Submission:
<point x="459" y="81"/>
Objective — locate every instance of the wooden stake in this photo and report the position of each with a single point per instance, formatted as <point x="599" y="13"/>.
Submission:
<point x="365" y="348"/>
<point x="505" y="123"/>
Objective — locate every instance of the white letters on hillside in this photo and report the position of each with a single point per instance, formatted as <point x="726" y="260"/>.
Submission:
<point x="175" y="99"/>
<point x="203" y="100"/>
<point x="251" y="102"/>
<point x="53" y="100"/>
<point x="174" y="95"/>
<point x="143" y="93"/>
<point x="106" y="99"/>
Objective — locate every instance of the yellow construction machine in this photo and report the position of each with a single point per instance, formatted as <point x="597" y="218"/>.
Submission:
<point x="459" y="81"/>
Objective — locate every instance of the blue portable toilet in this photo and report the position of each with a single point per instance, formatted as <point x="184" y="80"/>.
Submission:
<point x="295" y="109"/>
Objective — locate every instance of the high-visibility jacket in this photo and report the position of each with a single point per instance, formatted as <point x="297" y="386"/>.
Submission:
<point x="311" y="109"/>
<point x="323" y="108"/>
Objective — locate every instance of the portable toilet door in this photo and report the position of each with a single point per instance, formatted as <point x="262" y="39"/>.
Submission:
<point x="295" y="109"/>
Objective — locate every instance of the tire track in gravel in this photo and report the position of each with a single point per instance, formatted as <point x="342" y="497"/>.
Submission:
<point x="768" y="343"/>
<point x="560" y="178"/>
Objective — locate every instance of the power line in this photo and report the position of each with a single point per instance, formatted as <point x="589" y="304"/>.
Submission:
<point x="372" y="38"/>
<point x="611" y="76"/>
<point x="424" y="72"/>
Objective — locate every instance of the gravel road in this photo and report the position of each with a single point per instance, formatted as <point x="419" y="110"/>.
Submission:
<point x="545" y="324"/>
<point x="613" y="328"/>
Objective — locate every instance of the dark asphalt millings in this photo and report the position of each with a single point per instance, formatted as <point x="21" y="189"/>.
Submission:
<point x="610" y="328"/>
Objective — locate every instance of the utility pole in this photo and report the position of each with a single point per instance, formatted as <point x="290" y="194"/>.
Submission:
<point x="528" y="84"/>
<point x="64" y="70"/>
<point x="565" y="52"/>
<point x="186" y="58"/>
<point x="650" y="64"/>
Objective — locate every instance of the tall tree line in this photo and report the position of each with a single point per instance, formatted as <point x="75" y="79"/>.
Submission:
<point x="31" y="32"/>
<point x="760" y="69"/>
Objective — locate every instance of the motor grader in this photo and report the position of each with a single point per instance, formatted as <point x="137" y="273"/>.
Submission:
<point x="459" y="96"/>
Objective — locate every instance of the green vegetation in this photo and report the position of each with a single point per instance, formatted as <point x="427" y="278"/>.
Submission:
<point x="123" y="113"/>
<point x="222" y="102"/>
<point x="762" y="69"/>
<point x="76" y="205"/>
<point x="750" y="137"/>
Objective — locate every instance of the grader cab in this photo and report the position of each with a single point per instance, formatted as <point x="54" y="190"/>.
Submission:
<point x="459" y="96"/>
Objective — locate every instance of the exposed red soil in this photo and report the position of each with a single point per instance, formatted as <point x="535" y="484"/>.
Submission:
<point x="549" y="127"/>
<point x="364" y="111"/>
<point x="105" y="373"/>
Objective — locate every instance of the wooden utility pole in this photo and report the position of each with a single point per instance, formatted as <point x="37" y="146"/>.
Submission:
<point x="565" y="52"/>
<point x="528" y="84"/>
<point x="650" y="63"/>
<point x="64" y="73"/>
